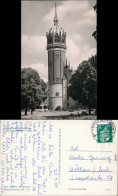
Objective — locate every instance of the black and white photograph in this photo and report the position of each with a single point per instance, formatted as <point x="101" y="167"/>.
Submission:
<point x="59" y="60"/>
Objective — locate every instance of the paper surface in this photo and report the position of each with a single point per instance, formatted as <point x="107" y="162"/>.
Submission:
<point x="58" y="158"/>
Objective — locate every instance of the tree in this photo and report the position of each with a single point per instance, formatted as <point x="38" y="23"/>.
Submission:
<point x="95" y="32"/>
<point x="32" y="89"/>
<point x="84" y="84"/>
<point x="93" y="61"/>
<point x="45" y="107"/>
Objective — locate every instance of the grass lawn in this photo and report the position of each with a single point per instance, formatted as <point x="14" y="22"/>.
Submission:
<point x="57" y="115"/>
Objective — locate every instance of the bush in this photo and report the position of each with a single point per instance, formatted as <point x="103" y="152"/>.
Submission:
<point x="45" y="106"/>
<point x="72" y="115"/>
<point x="84" y="113"/>
<point x="58" y="108"/>
<point x="40" y="107"/>
<point x="64" y="109"/>
<point x="78" y="114"/>
<point x="70" y="110"/>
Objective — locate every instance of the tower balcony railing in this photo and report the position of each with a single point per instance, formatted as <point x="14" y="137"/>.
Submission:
<point x="56" y="45"/>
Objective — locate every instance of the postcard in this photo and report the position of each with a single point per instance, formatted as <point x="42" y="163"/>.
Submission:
<point x="44" y="157"/>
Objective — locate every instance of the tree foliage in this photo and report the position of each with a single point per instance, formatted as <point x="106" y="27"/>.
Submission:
<point x="84" y="84"/>
<point x="95" y="32"/>
<point x="32" y="89"/>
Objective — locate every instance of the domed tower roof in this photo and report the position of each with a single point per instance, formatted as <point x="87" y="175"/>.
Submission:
<point x="56" y="36"/>
<point x="56" y="28"/>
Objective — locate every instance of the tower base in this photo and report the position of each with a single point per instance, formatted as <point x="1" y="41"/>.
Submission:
<point x="54" y="102"/>
<point x="55" y="96"/>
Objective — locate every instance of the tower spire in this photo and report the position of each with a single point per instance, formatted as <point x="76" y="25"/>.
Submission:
<point x="55" y="17"/>
<point x="55" y="11"/>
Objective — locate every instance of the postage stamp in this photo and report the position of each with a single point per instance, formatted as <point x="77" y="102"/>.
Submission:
<point x="104" y="133"/>
<point x="103" y="130"/>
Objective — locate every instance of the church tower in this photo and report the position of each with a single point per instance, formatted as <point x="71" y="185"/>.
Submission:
<point x="56" y="47"/>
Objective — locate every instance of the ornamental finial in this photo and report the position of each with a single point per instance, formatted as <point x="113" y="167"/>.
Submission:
<point x="55" y="17"/>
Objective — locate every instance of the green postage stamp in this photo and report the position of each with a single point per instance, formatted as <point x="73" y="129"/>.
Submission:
<point x="104" y="133"/>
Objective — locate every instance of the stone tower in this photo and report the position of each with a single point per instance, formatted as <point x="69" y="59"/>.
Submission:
<point x="56" y="46"/>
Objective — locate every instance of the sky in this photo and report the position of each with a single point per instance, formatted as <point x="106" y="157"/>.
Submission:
<point x="77" y="18"/>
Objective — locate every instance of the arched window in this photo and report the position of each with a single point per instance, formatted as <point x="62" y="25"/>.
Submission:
<point x="57" y="80"/>
<point x="57" y="94"/>
<point x="63" y="39"/>
<point x="50" y="39"/>
<point x="57" y="38"/>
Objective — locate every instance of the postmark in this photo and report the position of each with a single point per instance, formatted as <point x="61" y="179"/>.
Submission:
<point x="103" y="131"/>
